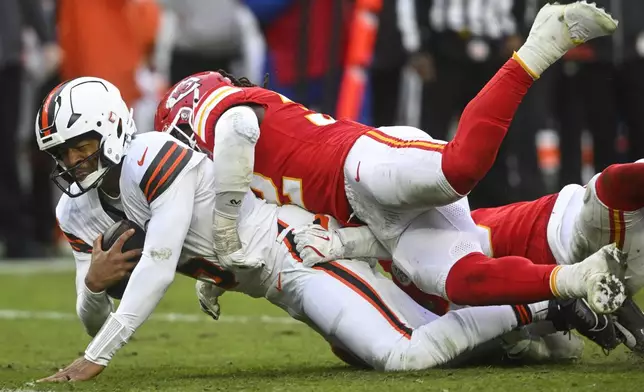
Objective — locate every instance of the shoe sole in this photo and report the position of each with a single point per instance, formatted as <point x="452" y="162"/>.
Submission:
<point x="591" y="11"/>
<point x="608" y="296"/>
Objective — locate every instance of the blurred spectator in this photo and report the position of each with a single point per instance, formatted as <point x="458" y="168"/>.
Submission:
<point x="464" y="42"/>
<point x="397" y="38"/>
<point x="603" y="87"/>
<point x="15" y="15"/>
<point x="110" y="39"/>
<point x="207" y="35"/>
<point x="306" y="43"/>
<point x="43" y="218"/>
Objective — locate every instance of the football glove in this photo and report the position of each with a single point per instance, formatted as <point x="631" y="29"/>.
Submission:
<point x="317" y="245"/>
<point x="229" y="248"/>
<point x="208" y="296"/>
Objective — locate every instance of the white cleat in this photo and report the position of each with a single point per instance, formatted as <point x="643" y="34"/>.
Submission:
<point x="597" y="279"/>
<point x="566" y="26"/>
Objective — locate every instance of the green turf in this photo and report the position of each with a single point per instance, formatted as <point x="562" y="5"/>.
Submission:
<point x="250" y="356"/>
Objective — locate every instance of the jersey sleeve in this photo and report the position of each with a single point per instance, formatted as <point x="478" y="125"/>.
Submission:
<point x="67" y="227"/>
<point x="92" y="308"/>
<point x="170" y="215"/>
<point x="164" y="170"/>
<point x="155" y="162"/>
<point x="210" y="108"/>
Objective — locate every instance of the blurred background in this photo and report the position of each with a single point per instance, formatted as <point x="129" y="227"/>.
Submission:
<point x="381" y="62"/>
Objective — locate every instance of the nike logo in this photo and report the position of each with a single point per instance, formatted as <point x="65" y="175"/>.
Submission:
<point x="279" y="282"/>
<point x="358" y="172"/>
<point x="140" y="161"/>
<point x="326" y="238"/>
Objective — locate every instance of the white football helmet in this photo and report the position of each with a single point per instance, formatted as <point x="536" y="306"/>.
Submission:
<point x="77" y="109"/>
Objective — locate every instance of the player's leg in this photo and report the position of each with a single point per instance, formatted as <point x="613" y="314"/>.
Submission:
<point x="441" y="254"/>
<point x="485" y="121"/>
<point x="404" y="168"/>
<point x="355" y="313"/>
<point x="610" y="210"/>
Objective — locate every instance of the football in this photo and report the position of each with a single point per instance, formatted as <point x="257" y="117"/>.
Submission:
<point x="135" y="242"/>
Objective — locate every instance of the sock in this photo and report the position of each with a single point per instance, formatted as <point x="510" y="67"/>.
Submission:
<point x="528" y="314"/>
<point x="483" y="126"/>
<point x="480" y="280"/>
<point x="539" y="310"/>
<point x="621" y="187"/>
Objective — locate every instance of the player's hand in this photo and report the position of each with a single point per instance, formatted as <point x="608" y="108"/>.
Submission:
<point x="229" y="247"/>
<point x="208" y="296"/>
<point x="239" y="261"/>
<point x="80" y="370"/>
<point x="317" y="245"/>
<point x="109" y="267"/>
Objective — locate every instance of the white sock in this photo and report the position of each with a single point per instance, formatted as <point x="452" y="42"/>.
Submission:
<point x="539" y="310"/>
<point x="565" y="282"/>
<point x="537" y="54"/>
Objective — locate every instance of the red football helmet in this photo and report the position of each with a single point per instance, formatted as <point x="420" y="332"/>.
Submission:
<point x="176" y="109"/>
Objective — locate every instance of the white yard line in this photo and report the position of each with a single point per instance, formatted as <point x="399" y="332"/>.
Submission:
<point x="30" y="267"/>
<point x="67" y="264"/>
<point x="14" y="314"/>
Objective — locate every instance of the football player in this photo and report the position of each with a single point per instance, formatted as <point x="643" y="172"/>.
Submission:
<point x="169" y="189"/>
<point x="397" y="180"/>
<point x="557" y="229"/>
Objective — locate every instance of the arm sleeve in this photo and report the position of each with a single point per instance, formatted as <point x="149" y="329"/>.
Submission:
<point x="171" y="214"/>
<point x="92" y="308"/>
<point x="236" y="134"/>
<point x="360" y="242"/>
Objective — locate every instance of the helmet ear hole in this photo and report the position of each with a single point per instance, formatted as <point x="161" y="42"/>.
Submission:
<point x="119" y="129"/>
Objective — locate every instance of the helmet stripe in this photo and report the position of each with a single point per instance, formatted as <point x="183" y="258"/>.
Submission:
<point x="48" y="106"/>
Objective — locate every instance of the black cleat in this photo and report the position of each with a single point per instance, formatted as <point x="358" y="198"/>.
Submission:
<point x="629" y="322"/>
<point x="577" y="314"/>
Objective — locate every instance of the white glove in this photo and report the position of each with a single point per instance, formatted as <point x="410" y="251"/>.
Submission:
<point x="317" y="245"/>
<point x="208" y="296"/>
<point x="229" y="248"/>
<point x="239" y="261"/>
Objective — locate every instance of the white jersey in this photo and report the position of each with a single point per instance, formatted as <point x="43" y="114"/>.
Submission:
<point x="152" y="186"/>
<point x="82" y="219"/>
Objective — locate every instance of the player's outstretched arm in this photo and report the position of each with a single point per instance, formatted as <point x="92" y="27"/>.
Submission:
<point x="236" y="134"/>
<point x="171" y="214"/>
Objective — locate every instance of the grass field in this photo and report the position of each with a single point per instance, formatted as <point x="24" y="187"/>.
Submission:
<point x="254" y="347"/>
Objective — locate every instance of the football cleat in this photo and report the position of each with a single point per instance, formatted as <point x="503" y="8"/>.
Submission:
<point x="577" y="314"/>
<point x="629" y="322"/>
<point x="595" y="278"/>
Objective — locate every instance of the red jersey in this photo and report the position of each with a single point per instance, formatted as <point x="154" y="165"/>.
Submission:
<point x="519" y="229"/>
<point x="300" y="154"/>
